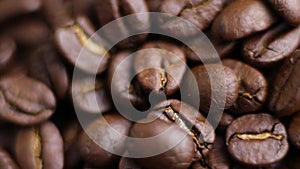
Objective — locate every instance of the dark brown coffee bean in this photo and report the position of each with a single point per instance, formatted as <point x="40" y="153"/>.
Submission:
<point x="56" y="13"/>
<point x="100" y="130"/>
<point x="179" y="156"/>
<point x="28" y="32"/>
<point x="7" y="51"/>
<point x="198" y="12"/>
<point x="242" y="18"/>
<point x="218" y="157"/>
<point x="225" y="121"/>
<point x="6" y="161"/>
<point x="45" y="65"/>
<point x="272" y="46"/>
<point x="128" y="163"/>
<point x="123" y="84"/>
<point x="75" y="40"/>
<point x="288" y="9"/>
<point x="24" y="100"/>
<point x="284" y="93"/>
<point x="225" y="80"/>
<point x="44" y="147"/>
<point x="294" y="130"/>
<point x="189" y="120"/>
<point x="12" y="8"/>
<point x="257" y="139"/>
<point x="153" y="5"/>
<point x="252" y="87"/>
<point x="109" y="10"/>
<point x="85" y="89"/>
<point x="160" y="66"/>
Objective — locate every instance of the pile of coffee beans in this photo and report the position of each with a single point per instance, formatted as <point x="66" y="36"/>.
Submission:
<point x="55" y="70"/>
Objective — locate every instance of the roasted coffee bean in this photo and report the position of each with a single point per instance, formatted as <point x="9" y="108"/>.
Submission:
<point x="123" y="84"/>
<point x="45" y="65"/>
<point x="99" y="132"/>
<point x="294" y="130"/>
<point x="160" y="66"/>
<point x="25" y="101"/>
<point x="225" y="121"/>
<point x="198" y="12"/>
<point x="218" y="157"/>
<point x="288" y="9"/>
<point x="284" y="93"/>
<point x="12" y="8"/>
<point x="189" y="120"/>
<point x="181" y="155"/>
<point x="242" y="18"/>
<point x="257" y="139"/>
<point x="90" y="95"/>
<point x="266" y="49"/>
<point x="252" y="87"/>
<point x="153" y="5"/>
<point x="225" y="85"/>
<point x="128" y="163"/>
<point x="23" y="30"/>
<point x="44" y="147"/>
<point x="6" y="161"/>
<point x="109" y="10"/>
<point x="75" y="40"/>
<point x="7" y="51"/>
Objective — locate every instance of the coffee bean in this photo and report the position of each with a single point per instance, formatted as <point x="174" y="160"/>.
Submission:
<point x="294" y="131"/>
<point x="102" y="131"/>
<point x="242" y="18"/>
<point x="153" y="5"/>
<point x="75" y="40"/>
<point x="90" y="95"/>
<point x="182" y="154"/>
<point x="123" y="84"/>
<point x="284" y="93"/>
<point x="109" y="10"/>
<point x="45" y="65"/>
<point x="257" y="139"/>
<point x="288" y="9"/>
<point x="44" y="147"/>
<point x="24" y="100"/>
<point x="225" y="83"/>
<point x="189" y="120"/>
<point x="160" y="66"/>
<point x="272" y="46"/>
<point x="224" y="122"/>
<point x="199" y="13"/>
<point x="252" y="87"/>
<point x="6" y="161"/>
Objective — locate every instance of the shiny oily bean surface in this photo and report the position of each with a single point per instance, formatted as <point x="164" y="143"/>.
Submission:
<point x="160" y="66"/>
<point x="100" y="130"/>
<point x="242" y="18"/>
<point x="257" y="139"/>
<point x="253" y="87"/>
<point x="44" y="147"/>
<point x="25" y="101"/>
<point x="225" y="86"/>
<point x="284" y="91"/>
<point x="270" y="47"/>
